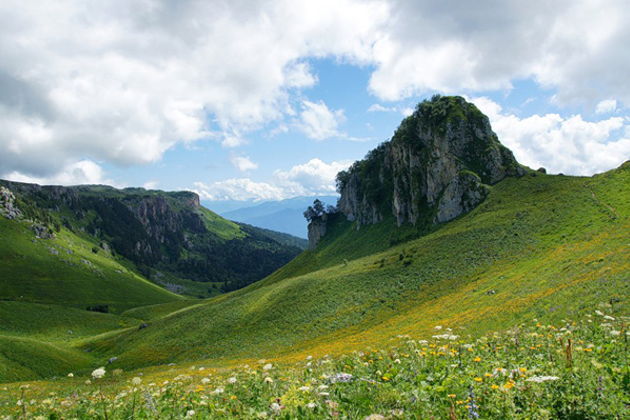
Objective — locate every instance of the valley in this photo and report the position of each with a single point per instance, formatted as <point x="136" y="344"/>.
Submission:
<point x="449" y="279"/>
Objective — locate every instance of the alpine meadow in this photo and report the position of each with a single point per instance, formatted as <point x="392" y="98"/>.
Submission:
<point x="474" y="265"/>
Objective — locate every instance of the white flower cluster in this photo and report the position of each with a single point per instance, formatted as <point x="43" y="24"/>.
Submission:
<point x="98" y="373"/>
<point x="341" y="377"/>
<point x="540" y="379"/>
<point x="446" y="337"/>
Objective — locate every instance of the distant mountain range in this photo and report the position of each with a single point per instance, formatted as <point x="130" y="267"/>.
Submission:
<point x="282" y="216"/>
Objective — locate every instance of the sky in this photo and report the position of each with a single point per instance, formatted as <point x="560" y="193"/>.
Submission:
<point x="267" y="100"/>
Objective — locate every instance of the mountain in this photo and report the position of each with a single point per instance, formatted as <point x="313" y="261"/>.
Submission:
<point x="516" y="244"/>
<point x="450" y="276"/>
<point x="282" y="216"/>
<point x="167" y="237"/>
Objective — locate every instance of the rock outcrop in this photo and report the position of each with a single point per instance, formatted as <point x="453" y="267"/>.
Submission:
<point x="8" y="208"/>
<point x="437" y="166"/>
<point x="316" y="230"/>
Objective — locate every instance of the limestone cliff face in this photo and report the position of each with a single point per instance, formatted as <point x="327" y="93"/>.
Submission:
<point x="437" y="166"/>
<point x="316" y="230"/>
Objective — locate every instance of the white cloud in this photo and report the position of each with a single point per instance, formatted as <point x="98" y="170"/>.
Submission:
<point x="320" y="123"/>
<point x="568" y="145"/>
<point x="150" y="185"/>
<point x="606" y="106"/>
<point x="238" y="189"/>
<point x="381" y="108"/>
<point x="429" y="46"/>
<point x="243" y="163"/>
<point x="314" y="177"/>
<point x="404" y="111"/>
<point x="82" y="172"/>
<point x="122" y="82"/>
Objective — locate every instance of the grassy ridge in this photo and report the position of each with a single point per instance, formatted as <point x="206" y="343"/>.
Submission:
<point x="538" y="246"/>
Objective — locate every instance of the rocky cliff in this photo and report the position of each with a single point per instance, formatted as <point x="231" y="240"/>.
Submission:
<point x="437" y="166"/>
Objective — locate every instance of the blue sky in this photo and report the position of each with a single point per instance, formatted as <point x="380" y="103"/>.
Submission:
<point x="268" y="100"/>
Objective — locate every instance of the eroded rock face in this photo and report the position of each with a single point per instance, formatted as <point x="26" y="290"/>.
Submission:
<point x="8" y="208"/>
<point x="437" y="166"/>
<point x="316" y="230"/>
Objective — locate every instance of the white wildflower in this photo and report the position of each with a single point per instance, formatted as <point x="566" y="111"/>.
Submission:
<point x="98" y="373"/>
<point x="136" y="381"/>
<point x="268" y="380"/>
<point x="615" y="332"/>
<point x="540" y="379"/>
<point x="375" y="417"/>
<point x="599" y="313"/>
<point x="231" y="380"/>
<point x="304" y="388"/>
<point x="276" y="407"/>
<point x="438" y="327"/>
<point x="205" y="381"/>
<point x="311" y="405"/>
<point x="87" y="382"/>
<point x="190" y="413"/>
<point x="218" y="391"/>
<point x="268" y="366"/>
<point x="341" y="377"/>
<point x="70" y="375"/>
<point x="309" y="357"/>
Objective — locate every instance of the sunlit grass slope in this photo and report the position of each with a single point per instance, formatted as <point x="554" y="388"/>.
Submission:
<point x="539" y="246"/>
<point x="65" y="271"/>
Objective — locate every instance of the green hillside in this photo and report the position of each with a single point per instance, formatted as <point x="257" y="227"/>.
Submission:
<point x="486" y="302"/>
<point x="65" y="271"/>
<point x="167" y="237"/>
<point x="540" y="246"/>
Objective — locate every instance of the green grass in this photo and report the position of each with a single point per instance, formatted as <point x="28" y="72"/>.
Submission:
<point x="27" y="358"/>
<point x="57" y="323"/>
<point x="543" y="246"/>
<point x="223" y="228"/>
<point x="575" y="370"/>
<point x="150" y="312"/>
<point x="65" y="271"/>
<point x="540" y="247"/>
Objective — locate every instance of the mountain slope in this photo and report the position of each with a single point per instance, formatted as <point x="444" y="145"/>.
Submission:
<point x="542" y="246"/>
<point x="167" y="236"/>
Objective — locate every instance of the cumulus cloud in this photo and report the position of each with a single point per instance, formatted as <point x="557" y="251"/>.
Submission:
<point x="606" y="106"/>
<point x="243" y="163"/>
<point x="82" y="172"/>
<point x="122" y="82"/>
<point x="238" y="189"/>
<point x="445" y="46"/>
<point x="314" y="177"/>
<point x="568" y="145"/>
<point x="318" y="122"/>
